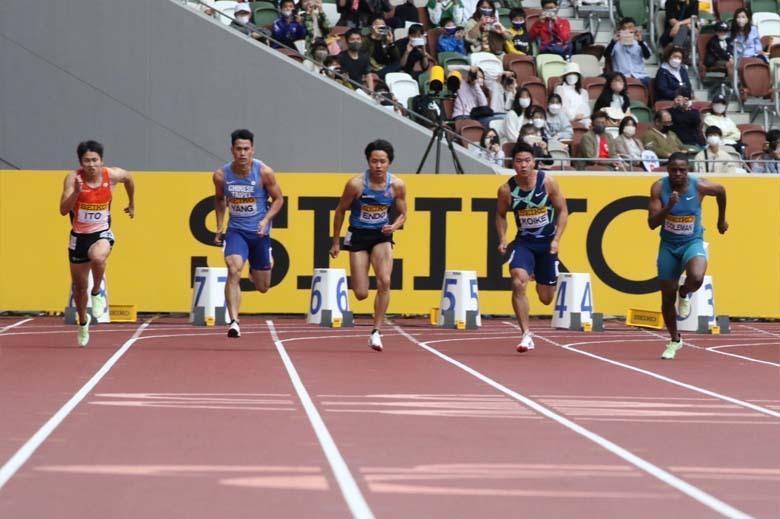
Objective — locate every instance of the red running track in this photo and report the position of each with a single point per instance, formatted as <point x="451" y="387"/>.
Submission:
<point x="443" y="423"/>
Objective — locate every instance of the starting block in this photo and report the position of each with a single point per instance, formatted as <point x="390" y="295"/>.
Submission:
<point x="123" y="314"/>
<point x="459" y="306"/>
<point x="329" y="302"/>
<point x="208" y="297"/>
<point x="70" y="310"/>
<point x="573" y="308"/>
<point x="645" y="318"/>
<point x="722" y="325"/>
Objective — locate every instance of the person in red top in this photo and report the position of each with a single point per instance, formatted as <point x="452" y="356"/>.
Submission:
<point x="553" y="31"/>
<point x="86" y="196"/>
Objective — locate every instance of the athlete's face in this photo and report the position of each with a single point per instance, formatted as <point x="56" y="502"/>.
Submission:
<point x="378" y="163"/>
<point x="678" y="172"/>
<point x="91" y="162"/>
<point x="523" y="163"/>
<point x="242" y="151"/>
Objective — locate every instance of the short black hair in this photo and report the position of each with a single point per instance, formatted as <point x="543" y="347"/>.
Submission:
<point x="351" y="32"/>
<point x="380" y="145"/>
<point x="659" y="115"/>
<point x="445" y="20"/>
<point x="520" y="147"/>
<point x="713" y="130"/>
<point x="678" y="155"/>
<point x="242" y="134"/>
<point x="86" y="146"/>
<point x="627" y="119"/>
<point x="416" y="28"/>
<point x="599" y="115"/>
<point x="625" y="21"/>
<point x="545" y="2"/>
<point x="517" y="11"/>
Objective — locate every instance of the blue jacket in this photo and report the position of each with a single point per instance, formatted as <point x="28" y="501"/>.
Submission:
<point x="287" y="32"/>
<point x="667" y="86"/>
<point x="451" y="44"/>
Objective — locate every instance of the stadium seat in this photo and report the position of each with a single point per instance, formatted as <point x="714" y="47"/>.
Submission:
<point x="637" y="91"/>
<point x="225" y="8"/>
<point x="768" y="24"/>
<point x="754" y="75"/>
<point x="636" y="9"/>
<point x="594" y="86"/>
<point x="265" y="16"/>
<point x="589" y="64"/>
<point x="725" y="8"/>
<point x="448" y="59"/>
<point x="764" y="6"/>
<point x="402" y="85"/>
<point x="549" y="65"/>
<point x="641" y="112"/>
<point x="753" y="136"/>
<point x="331" y="13"/>
<point x="522" y="66"/>
<point x="488" y="62"/>
<point x="537" y="90"/>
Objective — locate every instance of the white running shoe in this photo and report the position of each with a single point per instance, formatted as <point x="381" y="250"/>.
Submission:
<point x="98" y="305"/>
<point x="671" y="349"/>
<point x="83" y="333"/>
<point x="683" y="306"/>
<point x="234" y="332"/>
<point x="526" y="343"/>
<point x="375" y="341"/>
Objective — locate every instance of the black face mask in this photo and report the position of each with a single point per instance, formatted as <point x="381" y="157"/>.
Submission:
<point x="665" y="129"/>
<point x="598" y="129"/>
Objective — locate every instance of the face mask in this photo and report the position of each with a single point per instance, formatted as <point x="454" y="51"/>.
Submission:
<point x="598" y="129"/>
<point x="713" y="140"/>
<point x="554" y="109"/>
<point x="571" y="79"/>
<point x="539" y="123"/>
<point x="354" y="45"/>
<point x="722" y="37"/>
<point x="242" y="19"/>
<point x="486" y="12"/>
<point x="320" y="55"/>
<point x="530" y="139"/>
<point x="617" y="87"/>
<point x="417" y="42"/>
<point x="518" y="25"/>
<point x="742" y="21"/>
<point x="688" y="104"/>
<point x="524" y="102"/>
<point x="488" y="141"/>
<point x="665" y="129"/>
<point x="287" y="14"/>
<point x="719" y="108"/>
<point x="451" y="30"/>
<point x="550" y="12"/>
<point x="629" y="131"/>
<point x="675" y="63"/>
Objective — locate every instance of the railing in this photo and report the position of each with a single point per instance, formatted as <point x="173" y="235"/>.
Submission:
<point x="625" y="165"/>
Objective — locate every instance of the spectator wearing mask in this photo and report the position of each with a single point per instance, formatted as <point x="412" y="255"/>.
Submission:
<point x="414" y="54"/>
<point x="484" y="27"/>
<point x="558" y="125"/>
<point x="529" y="134"/>
<point x="518" y="41"/>
<point x="719" y="51"/>
<point x="355" y="63"/>
<point x="383" y="55"/>
<point x="627" y="145"/>
<point x="358" y="13"/>
<point x="519" y="115"/>
<point x="598" y="144"/>
<point x="672" y="77"/>
<point x="242" y="23"/>
<point x="614" y="95"/>
<point x="318" y="53"/>
<point x="718" y="117"/>
<point x="686" y="122"/>
<point x="553" y="31"/>
<point x="575" y="99"/>
<point x="539" y="120"/>
<point x="713" y="159"/>
<point x="490" y="149"/>
<point x="745" y="36"/>
<point x="503" y="91"/>
<point x="387" y="99"/>
<point x="451" y="38"/>
<point x="470" y="94"/>
<point x="439" y="10"/>
<point x="332" y="70"/>
<point x="628" y="52"/>
<point x="660" y="139"/>
<point x="678" y="22"/>
<point x="771" y="155"/>
<point x="316" y="23"/>
<point x="288" y="27"/>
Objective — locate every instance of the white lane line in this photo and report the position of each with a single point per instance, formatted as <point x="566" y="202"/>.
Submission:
<point x="30" y="446"/>
<point x="716" y="349"/>
<point x="349" y="489"/>
<point x="657" y="472"/>
<point x="18" y="323"/>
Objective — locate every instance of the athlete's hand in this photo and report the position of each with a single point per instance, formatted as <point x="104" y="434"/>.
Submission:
<point x="502" y="247"/>
<point x="673" y="199"/>
<point x="262" y="227"/>
<point x="387" y="229"/>
<point x="130" y="210"/>
<point x="78" y="184"/>
<point x="723" y="226"/>
<point x="219" y="238"/>
<point x="334" y="250"/>
<point x="554" y="247"/>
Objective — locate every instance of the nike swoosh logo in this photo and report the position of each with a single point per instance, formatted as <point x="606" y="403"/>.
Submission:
<point x="230" y="182"/>
<point x="537" y="195"/>
<point x="689" y="198"/>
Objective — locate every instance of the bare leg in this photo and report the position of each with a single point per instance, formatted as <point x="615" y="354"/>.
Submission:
<point x="668" y="308"/>
<point x="382" y="261"/>
<point x="261" y="279"/>
<point x="358" y="269"/>
<point x="79" y="273"/>
<point x="694" y="275"/>
<point x="546" y="293"/>
<point x="520" y="303"/>
<point x="98" y="256"/>
<point x="235" y="264"/>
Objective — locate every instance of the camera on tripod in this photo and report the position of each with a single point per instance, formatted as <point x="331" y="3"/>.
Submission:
<point x="436" y="82"/>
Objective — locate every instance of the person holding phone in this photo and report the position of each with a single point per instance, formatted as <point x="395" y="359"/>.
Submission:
<point x="415" y="58"/>
<point x="480" y="26"/>
<point x="288" y="27"/>
<point x="628" y="52"/>
<point x="383" y="54"/>
<point x="553" y="31"/>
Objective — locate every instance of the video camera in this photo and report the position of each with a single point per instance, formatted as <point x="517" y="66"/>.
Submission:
<point x="436" y="82"/>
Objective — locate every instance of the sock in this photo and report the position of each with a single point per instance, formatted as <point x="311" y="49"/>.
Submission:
<point x="82" y="324"/>
<point x="681" y="292"/>
<point x="93" y="295"/>
<point x="375" y="330"/>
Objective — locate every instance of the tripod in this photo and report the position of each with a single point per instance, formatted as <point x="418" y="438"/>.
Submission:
<point x="438" y="132"/>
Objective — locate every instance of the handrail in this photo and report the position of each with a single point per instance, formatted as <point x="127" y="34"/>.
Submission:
<point x="628" y="163"/>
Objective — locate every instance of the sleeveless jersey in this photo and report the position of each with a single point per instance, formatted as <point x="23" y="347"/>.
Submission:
<point x="246" y="198"/>
<point x="683" y="223"/>
<point x="534" y="213"/>
<point x="371" y="210"/>
<point x="92" y="212"/>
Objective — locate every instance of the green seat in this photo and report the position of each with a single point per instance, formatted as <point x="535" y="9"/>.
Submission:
<point x="447" y="59"/>
<point x="636" y="9"/>
<point x="253" y="6"/>
<point x="641" y="111"/>
<point x="549" y="65"/>
<point x="763" y="6"/>
<point x="423" y="79"/>
<point x="265" y="16"/>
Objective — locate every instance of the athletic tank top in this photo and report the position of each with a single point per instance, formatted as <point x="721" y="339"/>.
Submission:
<point x="92" y="212"/>
<point x="534" y="213"/>
<point x="246" y="198"/>
<point x="372" y="209"/>
<point x="683" y="223"/>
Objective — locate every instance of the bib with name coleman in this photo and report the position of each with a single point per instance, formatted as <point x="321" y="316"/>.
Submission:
<point x="247" y="199"/>
<point x="92" y="212"/>
<point x="683" y="223"/>
<point x="371" y="210"/>
<point x="534" y="213"/>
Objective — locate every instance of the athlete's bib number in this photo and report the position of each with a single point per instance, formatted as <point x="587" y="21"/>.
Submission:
<point x="243" y="206"/>
<point x="373" y="213"/>
<point x="533" y="218"/>
<point x="93" y="213"/>
<point x="679" y="224"/>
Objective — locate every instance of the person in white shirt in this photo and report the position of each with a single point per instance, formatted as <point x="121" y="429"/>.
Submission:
<point x="519" y="115"/>
<point x="503" y="90"/>
<point x="718" y="117"/>
<point x="713" y="159"/>
<point x="574" y="96"/>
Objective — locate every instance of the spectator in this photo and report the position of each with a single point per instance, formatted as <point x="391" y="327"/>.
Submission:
<point x="318" y="53"/>
<point x="627" y="145"/>
<point x="614" y="95"/>
<point x="660" y="139"/>
<point x="387" y="99"/>
<point x="288" y="27"/>
<point x="672" y="76"/>
<point x="628" y="51"/>
<point x="503" y="90"/>
<point x="518" y="41"/>
<point x="242" y="23"/>
<point x="316" y="23"/>
<point x="677" y="30"/>
<point x="519" y="115"/>
<point x="491" y="149"/>
<point x="575" y="99"/>
<point x="407" y="12"/>
<point x="530" y="135"/>
<point x="383" y="55"/>
<point x="332" y="69"/>
<point x="713" y="159"/>
<point x="414" y="54"/>
<point x="451" y="39"/>
<point x="554" y="31"/>
<point x="354" y="62"/>
<point x="558" y="125"/>
<point x="718" y="117"/>
<point x="598" y="144"/>
<point x="470" y="95"/>
<point x="479" y="28"/>
<point x="539" y="120"/>
<point x="771" y="155"/>
<point x="686" y="122"/>
<point x="358" y="13"/>
<point x="745" y="36"/>
<point x="718" y="54"/>
<point x="439" y="10"/>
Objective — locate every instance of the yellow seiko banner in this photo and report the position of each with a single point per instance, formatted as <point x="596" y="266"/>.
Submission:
<point x="450" y="226"/>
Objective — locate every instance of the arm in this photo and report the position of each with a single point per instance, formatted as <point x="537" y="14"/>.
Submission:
<point x="70" y="193"/>
<point x="274" y="190"/>
<point x="512" y="126"/>
<point x="501" y="210"/>
<point x="563" y="29"/>
<point x="351" y="191"/>
<point x="120" y="176"/>
<point x="399" y="193"/>
<point x="656" y="212"/>
<point x="219" y="204"/>
<point x="559" y="204"/>
<point x="434" y="11"/>
<point x="708" y="188"/>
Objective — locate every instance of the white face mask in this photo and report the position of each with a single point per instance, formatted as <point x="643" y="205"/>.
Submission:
<point x="287" y="14"/>
<point x="719" y="108"/>
<point x="539" y="123"/>
<point x="525" y="102"/>
<point x="675" y="63"/>
<point x="554" y="109"/>
<point x="722" y="37"/>
<point x="713" y="140"/>
<point x="242" y="19"/>
<point x="629" y="131"/>
<point x="571" y="79"/>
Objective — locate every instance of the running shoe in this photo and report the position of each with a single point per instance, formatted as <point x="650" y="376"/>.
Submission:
<point x="671" y="349"/>
<point x="234" y="332"/>
<point x="375" y="341"/>
<point x="683" y="306"/>
<point x="526" y="343"/>
<point x="98" y="306"/>
<point x="83" y="333"/>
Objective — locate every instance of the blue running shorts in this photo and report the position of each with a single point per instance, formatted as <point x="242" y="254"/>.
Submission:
<point x="673" y="257"/>
<point x="535" y="258"/>
<point x="250" y="246"/>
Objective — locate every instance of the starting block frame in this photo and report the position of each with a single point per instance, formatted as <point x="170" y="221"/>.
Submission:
<point x="208" y="297"/>
<point x="459" y="306"/>
<point x="329" y="300"/>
